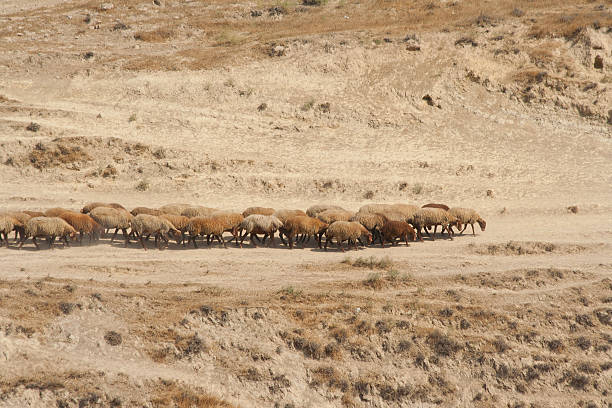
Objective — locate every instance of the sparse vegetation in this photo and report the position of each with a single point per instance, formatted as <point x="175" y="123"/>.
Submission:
<point x="308" y="105"/>
<point x="143" y="185"/>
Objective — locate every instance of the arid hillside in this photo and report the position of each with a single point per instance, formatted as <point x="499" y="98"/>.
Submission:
<point x="504" y="107"/>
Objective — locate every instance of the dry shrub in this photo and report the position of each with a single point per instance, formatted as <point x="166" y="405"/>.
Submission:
<point x="53" y="155"/>
<point x="569" y="26"/>
<point x="170" y="393"/>
<point x="526" y="248"/>
<point x="442" y="344"/>
<point x="329" y="376"/>
<point x="529" y="76"/>
<point x="113" y="338"/>
<point x="371" y="262"/>
<point x="158" y="35"/>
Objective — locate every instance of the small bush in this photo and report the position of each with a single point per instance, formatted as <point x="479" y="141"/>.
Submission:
<point x="417" y="188"/>
<point x="142" y="185"/>
<point x="442" y="344"/>
<point x="308" y="105"/>
<point x="373" y="263"/>
<point x="314" y="2"/>
<point x="113" y="338"/>
<point x="555" y="345"/>
<point x="374" y="281"/>
<point x="132" y="118"/>
<point x="517" y="12"/>
<point x="290" y="291"/>
<point x="66" y="307"/>
<point x="33" y="127"/>
<point x="500" y="345"/>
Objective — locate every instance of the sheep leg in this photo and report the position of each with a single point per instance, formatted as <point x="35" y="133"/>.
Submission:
<point x="382" y="241"/>
<point x="126" y="236"/>
<point x="221" y="241"/>
<point x="192" y="238"/>
<point x="326" y="242"/>
<point x="436" y="228"/>
<point x="114" y="235"/>
<point x="65" y="238"/>
<point x="272" y="239"/>
<point x="280" y="235"/>
<point x="464" y="227"/>
<point x="142" y="243"/>
<point x="406" y="239"/>
<point x="319" y="239"/>
<point x="419" y="235"/>
<point x="51" y="239"/>
<point x="6" y="238"/>
<point x="35" y="243"/>
<point x="253" y="236"/>
<point x="290" y="239"/>
<point x="340" y="246"/>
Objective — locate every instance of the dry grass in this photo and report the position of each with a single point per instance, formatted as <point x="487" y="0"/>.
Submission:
<point x="52" y="155"/>
<point x="570" y="23"/>
<point x="157" y="35"/>
<point x="172" y="393"/>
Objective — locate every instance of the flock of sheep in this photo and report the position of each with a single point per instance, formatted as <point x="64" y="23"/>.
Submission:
<point x="373" y="223"/>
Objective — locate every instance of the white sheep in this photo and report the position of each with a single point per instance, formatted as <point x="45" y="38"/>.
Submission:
<point x="432" y="217"/>
<point x="8" y="223"/>
<point x="314" y="210"/>
<point x="198" y="211"/>
<point x="350" y="231"/>
<point x="109" y="218"/>
<point x="146" y="225"/>
<point x="48" y="227"/>
<point x="468" y="216"/>
<point x="260" y="224"/>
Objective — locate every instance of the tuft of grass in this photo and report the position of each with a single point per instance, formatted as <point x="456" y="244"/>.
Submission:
<point x="374" y="281"/>
<point x="143" y="185"/>
<point x="370" y="263"/>
<point x="442" y="344"/>
<point x="228" y="39"/>
<point x="313" y="2"/>
<point x="290" y="291"/>
<point x="417" y="188"/>
<point x="158" y="35"/>
<point x="113" y="338"/>
<point x="308" y="105"/>
<point x="132" y="118"/>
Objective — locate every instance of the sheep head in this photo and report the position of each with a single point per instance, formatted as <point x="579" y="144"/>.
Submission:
<point x="482" y="223"/>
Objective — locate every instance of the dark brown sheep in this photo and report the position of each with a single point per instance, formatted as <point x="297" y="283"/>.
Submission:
<point x="396" y="229"/>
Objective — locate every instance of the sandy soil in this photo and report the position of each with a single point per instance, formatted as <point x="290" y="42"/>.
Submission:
<point x="170" y="108"/>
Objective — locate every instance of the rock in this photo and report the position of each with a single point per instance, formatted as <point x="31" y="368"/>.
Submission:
<point x="106" y="6"/>
<point x="262" y="107"/>
<point x="573" y="209"/>
<point x="88" y="55"/>
<point x="157" y="2"/>
<point x="598" y="62"/>
<point x="256" y="13"/>
<point x="490" y="193"/>
<point x="413" y="48"/>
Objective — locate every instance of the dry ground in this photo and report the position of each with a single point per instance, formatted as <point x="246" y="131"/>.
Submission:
<point x="499" y="106"/>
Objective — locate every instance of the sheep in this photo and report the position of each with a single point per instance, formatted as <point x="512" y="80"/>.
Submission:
<point x="331" y="216"/>
<point x="433" y="217"/>
<point x="468" y="216"/>
<point x="285" y="214"/>
<point x="146" y="224"/>
<point x="145" y="210"/>
<point x="33" y="214"/>
<point x="396" y="229"/>
<point x="110" y="218"/>
<point x="90" y="206"/>
<point x="84" y="224"/>
<point x="305" y="225"/>
<point x="346" y="230"/>
<point x="55" y="212"/>
<point x="260" y="224"/>
<point x="198" y="211"/>
<point x="257" y="211"/>
<point x="174" y="209"/>
<point x="209" y="226"/>
<point x="371" y="221"/>
<point x="434" y="205"/>
<point x="231" y="222"/>
<point x="8" y="223"/>
<point x="375" y="208"/>
<point x="180" y="223"/>
<point x="49" y="227"/>
<point x="314" y="210"/>
<point x="20" y="216"/>
<point x="407" y="210"/>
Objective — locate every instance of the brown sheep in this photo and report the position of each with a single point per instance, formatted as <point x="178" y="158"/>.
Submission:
<point x="55" y="212"/>
<point x="258" y="210"/>
<point x="8" y="223"/>
<point x="305" y="225"/>
<point x="49" y="227"/>
<point x="22" y="218"/>
<point x="434" y="205"/>
<point x="346" y="230"/>
<point x="90" y="206"/>
<point x="331" y="216"/>
<point x="206" y="226"/>
<point x="181" y="223"/>
<point x="396" y="229"/>
<point x="231" y="222"/>
<point x="33" y="214"/>
<point x="84" y="224"/>
<point x="145" y="210"/>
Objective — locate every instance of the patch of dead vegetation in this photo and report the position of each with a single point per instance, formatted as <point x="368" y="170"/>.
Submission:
<point x="526" y="248"/>
<point x="50" y="155"/>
